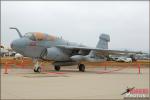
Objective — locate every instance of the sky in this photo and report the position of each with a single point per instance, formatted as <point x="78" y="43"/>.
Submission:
<point x="127" y="22"/>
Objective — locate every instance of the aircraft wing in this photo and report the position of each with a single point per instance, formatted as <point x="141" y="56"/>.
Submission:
<point x="98" y="50"/>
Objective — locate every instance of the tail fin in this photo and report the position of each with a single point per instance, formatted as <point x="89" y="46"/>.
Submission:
<point x="102" y="44"/>
<point x="103" y="41"/>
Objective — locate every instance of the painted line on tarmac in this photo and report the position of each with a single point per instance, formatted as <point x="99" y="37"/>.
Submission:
<point x="56" y="73"/>
<point x="103" y="72"/>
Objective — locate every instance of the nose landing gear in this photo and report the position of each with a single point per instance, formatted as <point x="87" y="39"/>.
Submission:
<point x="37" y="67"/>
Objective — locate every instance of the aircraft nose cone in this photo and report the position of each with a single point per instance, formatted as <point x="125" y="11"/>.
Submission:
<point x="14" y="44"/>
<point x="17" y="44"/>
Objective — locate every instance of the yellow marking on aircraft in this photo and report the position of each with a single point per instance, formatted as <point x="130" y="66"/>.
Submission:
<point x="42" y="36"/>
<point x="51" y="38"/>
<point x="39" y="36"/>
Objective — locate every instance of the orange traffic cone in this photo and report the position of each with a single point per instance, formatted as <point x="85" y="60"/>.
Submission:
<point x="6" y="68"/>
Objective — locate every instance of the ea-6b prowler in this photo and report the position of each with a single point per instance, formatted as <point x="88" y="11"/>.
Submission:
<point x="39" y="45"/>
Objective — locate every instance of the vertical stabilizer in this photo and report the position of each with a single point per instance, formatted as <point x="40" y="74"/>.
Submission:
<point x="103" y="41"/>
<point x="102" y="44"/>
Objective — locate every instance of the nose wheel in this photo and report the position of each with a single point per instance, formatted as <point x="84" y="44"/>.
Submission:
<point x="37" y="67"/>
<point x="81" y="67"/>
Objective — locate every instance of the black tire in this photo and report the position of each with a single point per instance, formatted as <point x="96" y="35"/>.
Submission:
<point x="37" y="70"/>
<point x="57" y="68"/>
<point x="81" y="68"/>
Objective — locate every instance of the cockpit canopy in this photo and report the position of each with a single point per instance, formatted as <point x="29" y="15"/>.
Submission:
<point x="38" y="36"/>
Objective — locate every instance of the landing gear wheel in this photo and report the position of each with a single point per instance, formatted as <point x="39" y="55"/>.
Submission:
<point x="81" y="67"/>
<point x="37" y="69"/>
<point x="57" y="68"/>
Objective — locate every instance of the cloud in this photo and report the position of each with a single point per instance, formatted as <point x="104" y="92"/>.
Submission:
<point x="127" y="22"/>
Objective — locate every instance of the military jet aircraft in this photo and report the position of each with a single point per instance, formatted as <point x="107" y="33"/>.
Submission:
<point x="43" y="46"/>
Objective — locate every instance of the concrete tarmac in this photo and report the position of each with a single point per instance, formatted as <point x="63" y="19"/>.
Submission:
<point x="71" y="84"/>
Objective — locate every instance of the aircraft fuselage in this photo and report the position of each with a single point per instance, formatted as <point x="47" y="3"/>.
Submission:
<point x="35" y="48"/>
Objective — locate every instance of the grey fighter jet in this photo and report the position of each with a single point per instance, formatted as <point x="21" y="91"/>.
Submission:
<point x="43" y="46"/>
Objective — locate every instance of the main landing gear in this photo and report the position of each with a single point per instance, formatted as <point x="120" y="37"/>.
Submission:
<point x="57" y="68"/>
<point x="81" y="67"/>
<point x="37" y="67"/>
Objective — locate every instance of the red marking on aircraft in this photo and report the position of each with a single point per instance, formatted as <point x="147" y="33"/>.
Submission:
<point x="32" y="44"/>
